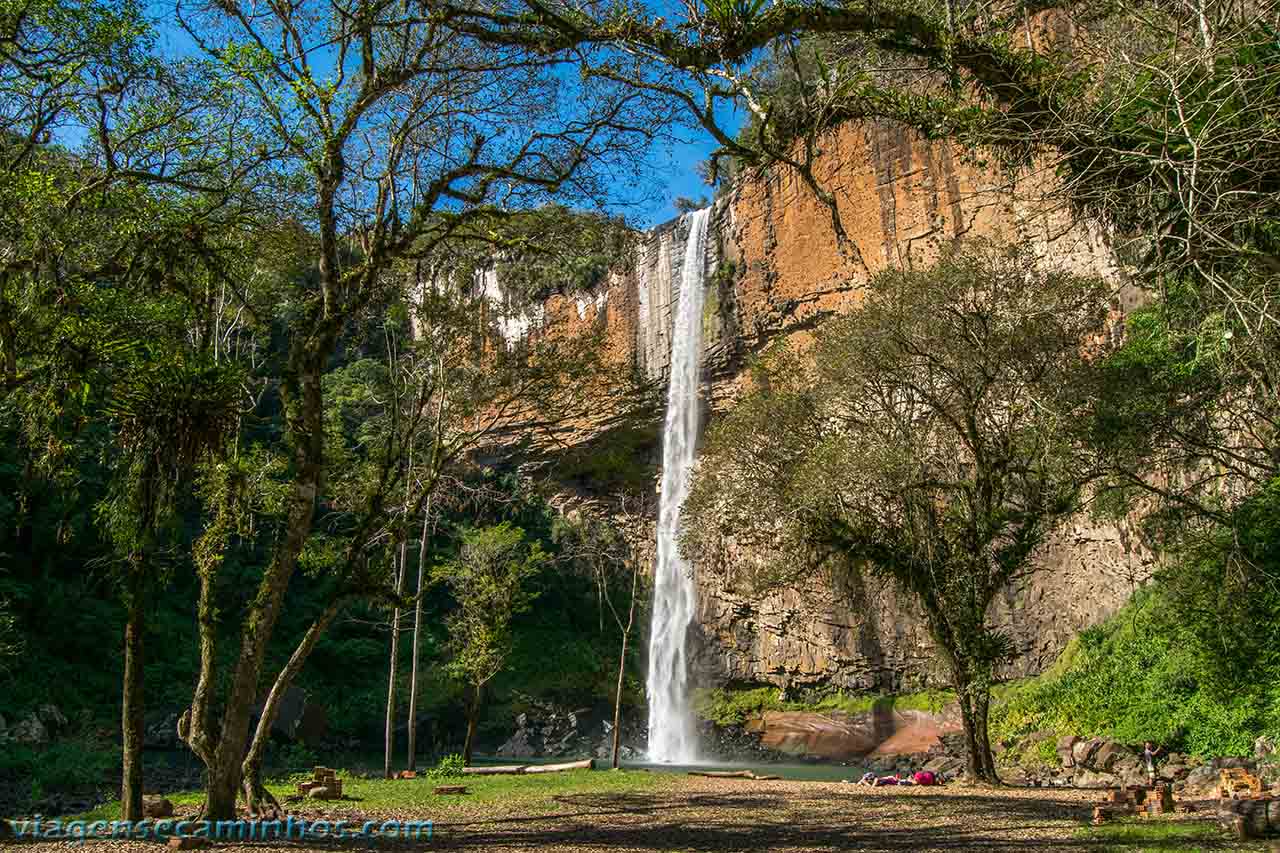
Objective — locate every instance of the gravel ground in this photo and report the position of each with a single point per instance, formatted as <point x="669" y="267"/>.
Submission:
<point x="697" y="813"/>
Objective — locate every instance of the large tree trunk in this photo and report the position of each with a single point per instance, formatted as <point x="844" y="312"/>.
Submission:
<point x="389" y="734"/>
<point x="256" y="794"/>
<point x="412" y="763"/>
<point x="974" y="702"/>
<point x="223" y="755"/>
<point x="473" y="716"/>
<point x="133" y="729"/>
<point x="981" y="706"/>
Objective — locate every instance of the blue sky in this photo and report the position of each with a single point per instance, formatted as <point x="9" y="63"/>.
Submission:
<point x="671" y="165"/>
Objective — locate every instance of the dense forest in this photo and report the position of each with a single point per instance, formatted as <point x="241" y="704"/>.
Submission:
<point x="261" y="427"/>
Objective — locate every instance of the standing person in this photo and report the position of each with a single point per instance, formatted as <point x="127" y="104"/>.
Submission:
<point x="1149" y="755"/>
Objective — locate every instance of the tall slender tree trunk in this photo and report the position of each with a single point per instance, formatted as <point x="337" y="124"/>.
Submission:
<point x="473" y="716"/>
<point x="390" y="733"/>
<point x="622" y="667"/>
<point x="255" y="793"/>
<point x="131" y="710"/>
<point x="412" y="762"/>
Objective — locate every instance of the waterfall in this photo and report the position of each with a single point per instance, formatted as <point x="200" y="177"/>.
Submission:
<point x="671" y="730"/>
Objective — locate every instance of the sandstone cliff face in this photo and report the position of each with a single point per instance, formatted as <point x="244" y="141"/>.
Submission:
<point x="776" y="269"/>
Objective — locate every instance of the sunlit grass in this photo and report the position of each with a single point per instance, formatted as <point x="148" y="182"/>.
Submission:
<point x="414" y="797"/>
<point x="1157" y="836"/>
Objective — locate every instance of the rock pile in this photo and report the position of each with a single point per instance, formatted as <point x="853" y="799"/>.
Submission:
<point x="323" y="785"/>
<point x="35" y="728"/>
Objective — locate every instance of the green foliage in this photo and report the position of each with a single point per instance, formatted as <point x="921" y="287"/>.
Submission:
<point x="69" y="765"/>
<point x="1134" y="835"/>
<point x="726" y="707"/>
<point x="448" y="767"/>
<point x="488" y="581"/>
<point x="1139" y="676"/>
<point x="616" y="462"/>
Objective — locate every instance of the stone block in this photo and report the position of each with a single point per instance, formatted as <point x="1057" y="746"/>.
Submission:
<point x="157" y="807"/>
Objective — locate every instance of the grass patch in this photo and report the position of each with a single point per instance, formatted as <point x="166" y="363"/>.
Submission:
<point x="735" y="707"/>
<point x="412" y="798"/>
<point x="1156" y="836"/>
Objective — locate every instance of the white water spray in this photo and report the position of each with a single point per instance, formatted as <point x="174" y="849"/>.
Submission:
<point x="672" y="737"/>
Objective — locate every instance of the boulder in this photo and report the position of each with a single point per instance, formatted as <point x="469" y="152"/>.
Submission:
<point x="1200" y="780"/>
<point x="163" y="734"/>
<point x="1082" y="751"/>
<point x="1085" y="778"/>
<point x="320" y="793"/>
<point x="29" y="731"/>
<point x="313" y="724"/>
<point x="1232" y="762"/>
<point x="1107" y="755"/>
<point x="157" y="807"/>
<point x="1130" y="771"/>
<point x="519" y="745"/>
<point x="1263" y="747"/>
<point x="945" y="765"/>
<point x="1065" y="745"/>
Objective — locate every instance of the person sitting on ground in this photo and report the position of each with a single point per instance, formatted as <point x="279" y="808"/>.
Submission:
<point x="1149" y="755"/>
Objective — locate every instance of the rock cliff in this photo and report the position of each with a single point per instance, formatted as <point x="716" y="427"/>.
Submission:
<point x="777" y="269"/>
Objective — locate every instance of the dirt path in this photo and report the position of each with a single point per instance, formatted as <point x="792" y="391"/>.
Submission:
<point x="702" y="814"/>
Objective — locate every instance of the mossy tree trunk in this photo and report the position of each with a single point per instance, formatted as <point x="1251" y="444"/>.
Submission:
<point x="256" y="794"/>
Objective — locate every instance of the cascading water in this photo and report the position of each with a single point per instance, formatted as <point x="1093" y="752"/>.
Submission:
<point x="671" y="731"/>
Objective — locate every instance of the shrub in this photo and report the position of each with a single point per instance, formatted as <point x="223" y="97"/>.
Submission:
<point x="449" y="767"/>
<point x="1140" y="675"/>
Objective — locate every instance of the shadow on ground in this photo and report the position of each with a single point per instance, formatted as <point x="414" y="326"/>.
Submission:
<point x="796" y="820"/>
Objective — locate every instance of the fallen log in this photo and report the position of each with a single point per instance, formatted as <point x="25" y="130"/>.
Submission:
<point x="585" y="764"/>
<point x="497" y="770"/>
<point x="724" y="774"/>
<point x="449" y="789"/>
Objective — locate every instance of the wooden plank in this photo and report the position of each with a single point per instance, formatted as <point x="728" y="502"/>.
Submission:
<point x="496" y="770"/>
<point x="585" y="764"/>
